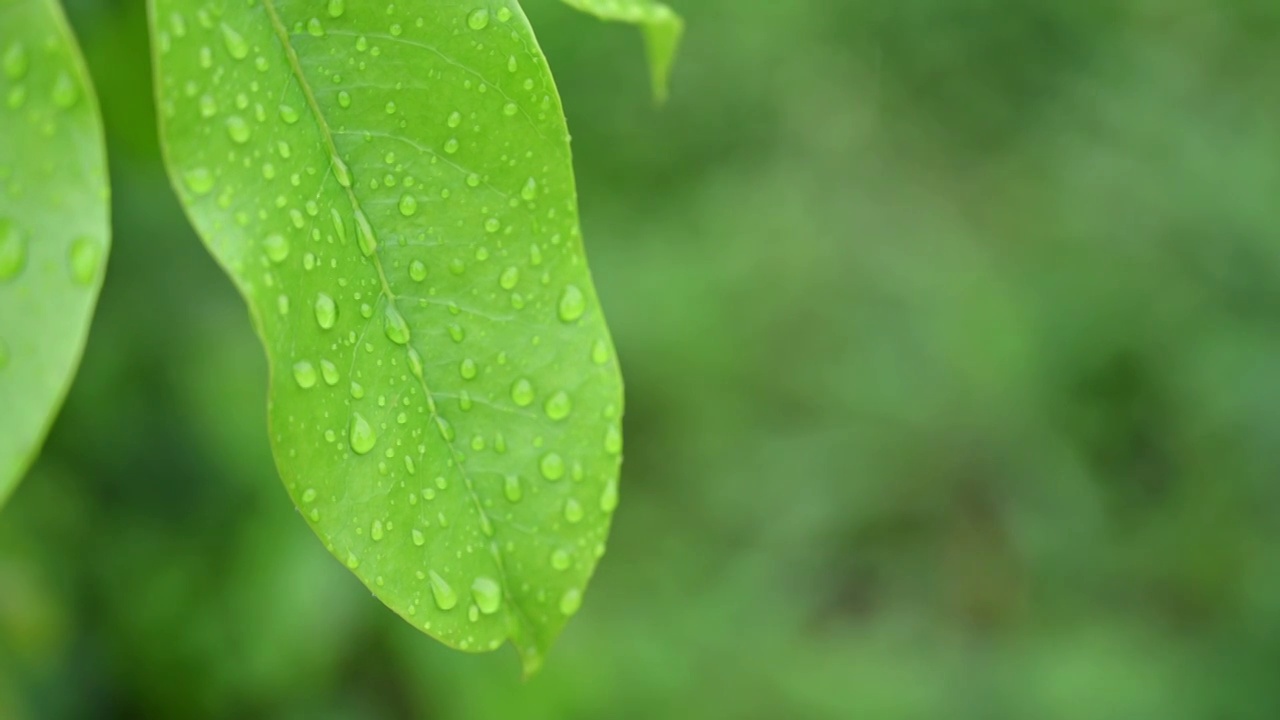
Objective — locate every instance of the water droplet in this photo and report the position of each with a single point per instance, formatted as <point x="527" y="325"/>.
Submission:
<point x="530" y="189"/>
<point x="65" y="91"/>
<point x="329" y="372"/>
<point x="238" y="129"/>
<point x="504" y="14"/>
<point x="84" y="259"/>
<point x="522" y="392"/>
<point x="15" y="61"/>
<point x="357" y="390"/>
<point x="455" y="119"/>
<point x="510" y="109"/>
<point x="309" y="495"/>
<point x="418" y="538"/>
<point x="571" y="602"/>
<point x="315" y="28"/>
<point x="362" y="436"/>
<point x="344" y="98"/>
<point x="560" y="560"/>
<point x="509" y="278"/>
<point x="395" y="326"/>
<point x="305" y="374"/>
<point x="418" y="271"/>
<point x="613" y="440"/>
<point x="600" y="352"/>
<point x="488" y="594"/>
<point x="572" y="303"/>
<point x="236" y="45"/>
<point x="408" y="205"/>
<point x="415" y="363"/>
<point x="288" y="114"/>
<point x="444" y="595"/>
<point x="198" y="180"/>
<point x="609" y="497"/>
<point x="376" y="531"/>
<point x="558" y="406"/>
<point x="276" y="246"/>
<point x="364" y="234"/>
<point x="451" y="145"/>
<point x="326" y="311"/>
<point x="572" y="510"/>
<point x="511" y="488"/>
<point x="467" y="369"/>
<point x="492" y="225"/>
<point x="336" y="8"/>
<point x="13" y="250"/>
<point x="478" y="19"/>
<point x="552" y="466"/>
<point x="353" y="562"/>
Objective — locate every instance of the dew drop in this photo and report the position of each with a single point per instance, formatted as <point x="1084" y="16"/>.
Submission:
<point x="309" y="495"/>
<point x="364" y="234"/>
<point x="600" y="352"/>
<point x="522" y="392"/>
<point x="418" y="538"/>
<point x="236" y="45"/>
<point x="361" y="435"/>
<point x="326" y="311"/>
<point x="83" y="260"/>
<point x="572" y="303"/>
<point x="530" y="190"/>
<point x="276" y="247"/>
<point x="336" y="8"/>
<point x="444" y="595"/>
<point x="455" y="119"/>
<point x="329" y="372"/>
<point x="344" y="98"/>
<point x="13" y="250"/>
<point x="509" y="278"/>
<point x="376" y="531"/>
<point x="558" y="406"/>
<point x="238" y="129"/>
<point x="304" y="373"/>
<point x="488" y="594"/>
<point x="395" y="326"/>
<point x="418" y="271"/>
<point x="560" y="560"/>
<point x="552" y="466"/>
<point x="609" y="497"/>
<point x="341" y="172"/>
<point x="467" y="369"/>
<point x="572" y="511"/>
<point x="478" y="19"/>
<point x="65" y="91"/>
<point x="613" y="440"/>
<point x="408" y="204"/>
<point x="451" y="145"/>
<point x="198" y="180"/>
<point x="571" y="602"/>
<point x="15" y="61"/>
<point x="288" y="114"/>
<point x="511" y="488"/>
<point x="315" y="27"/>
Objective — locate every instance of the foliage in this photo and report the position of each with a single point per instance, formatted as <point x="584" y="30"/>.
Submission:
<point x="54" y="230"/>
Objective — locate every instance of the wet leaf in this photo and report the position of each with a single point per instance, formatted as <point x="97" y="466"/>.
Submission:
<point x="54" y="223"/>
<point x="390" y="188"/>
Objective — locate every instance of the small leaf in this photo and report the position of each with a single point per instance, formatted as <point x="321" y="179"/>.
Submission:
<point x="662" y="28"/>
<point x="54" y="223"/>
<point x="391" y="189"/>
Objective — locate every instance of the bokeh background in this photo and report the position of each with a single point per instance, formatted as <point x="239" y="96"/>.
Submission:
<point x="951" y="331"/>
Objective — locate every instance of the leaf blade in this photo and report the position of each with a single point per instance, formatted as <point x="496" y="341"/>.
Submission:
<point x="393" y="196"/>
<point x="662" y="28"/>
<point x="54" y="223"/>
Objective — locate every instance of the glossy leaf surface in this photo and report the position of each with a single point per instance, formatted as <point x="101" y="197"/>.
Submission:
<point x="390" y="188"/>
<point x="54" y="223"/>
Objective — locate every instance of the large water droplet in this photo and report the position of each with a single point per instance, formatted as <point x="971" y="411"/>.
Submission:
<point x="522" y="392"/>
<point x="329" y="372"/>
<point x="572" y="303"/>
<point x="558" y="406"/>
<point x="396" y="328"/>
<point x="609" y="497"/>
<point x="326" y="311"/>
<point x="238" y="129"/>
<point x="362" y="436"/>
<point x="364" y="234"/>
<point x="13" y="250"/>
<point x="572" y="510"/>
<point x="377" y="531"/>
<point x="276" y="247"/>
<point x="600" y="352"/>
<point x="408" y="204"/>
<point x="552" y="466"/>
<point x="467" y="369"/>
<point x="198" y="180"/>
<point x="509" y="278"/>
<point x="83" y="260"/>
<point x="418" y="271"/>
<point x="478" y="19"/>
<point x="511" y="488"/>
<point x="236" y="45"/>
<point x="444" y="595"/>
<point x="336" y="8"/>
<point x="418" y="538"/>
<point x="571" y="602"/>
<point x="288" y="114"/>
<point x="487" y="593"/>
<point x="613" y="440"/>
<point x="304" y="373"/>
<point x="560" y="559"/>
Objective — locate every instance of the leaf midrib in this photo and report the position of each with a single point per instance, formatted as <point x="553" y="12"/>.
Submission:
<point x="282" y="35"/>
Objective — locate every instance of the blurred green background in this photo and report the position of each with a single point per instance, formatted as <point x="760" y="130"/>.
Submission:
<point x="951" y="332"/>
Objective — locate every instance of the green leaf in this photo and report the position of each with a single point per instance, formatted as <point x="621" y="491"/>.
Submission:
<point x="54" y="223"/>
<point x="391" y="189"/>
<point x="662" y="32"/>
